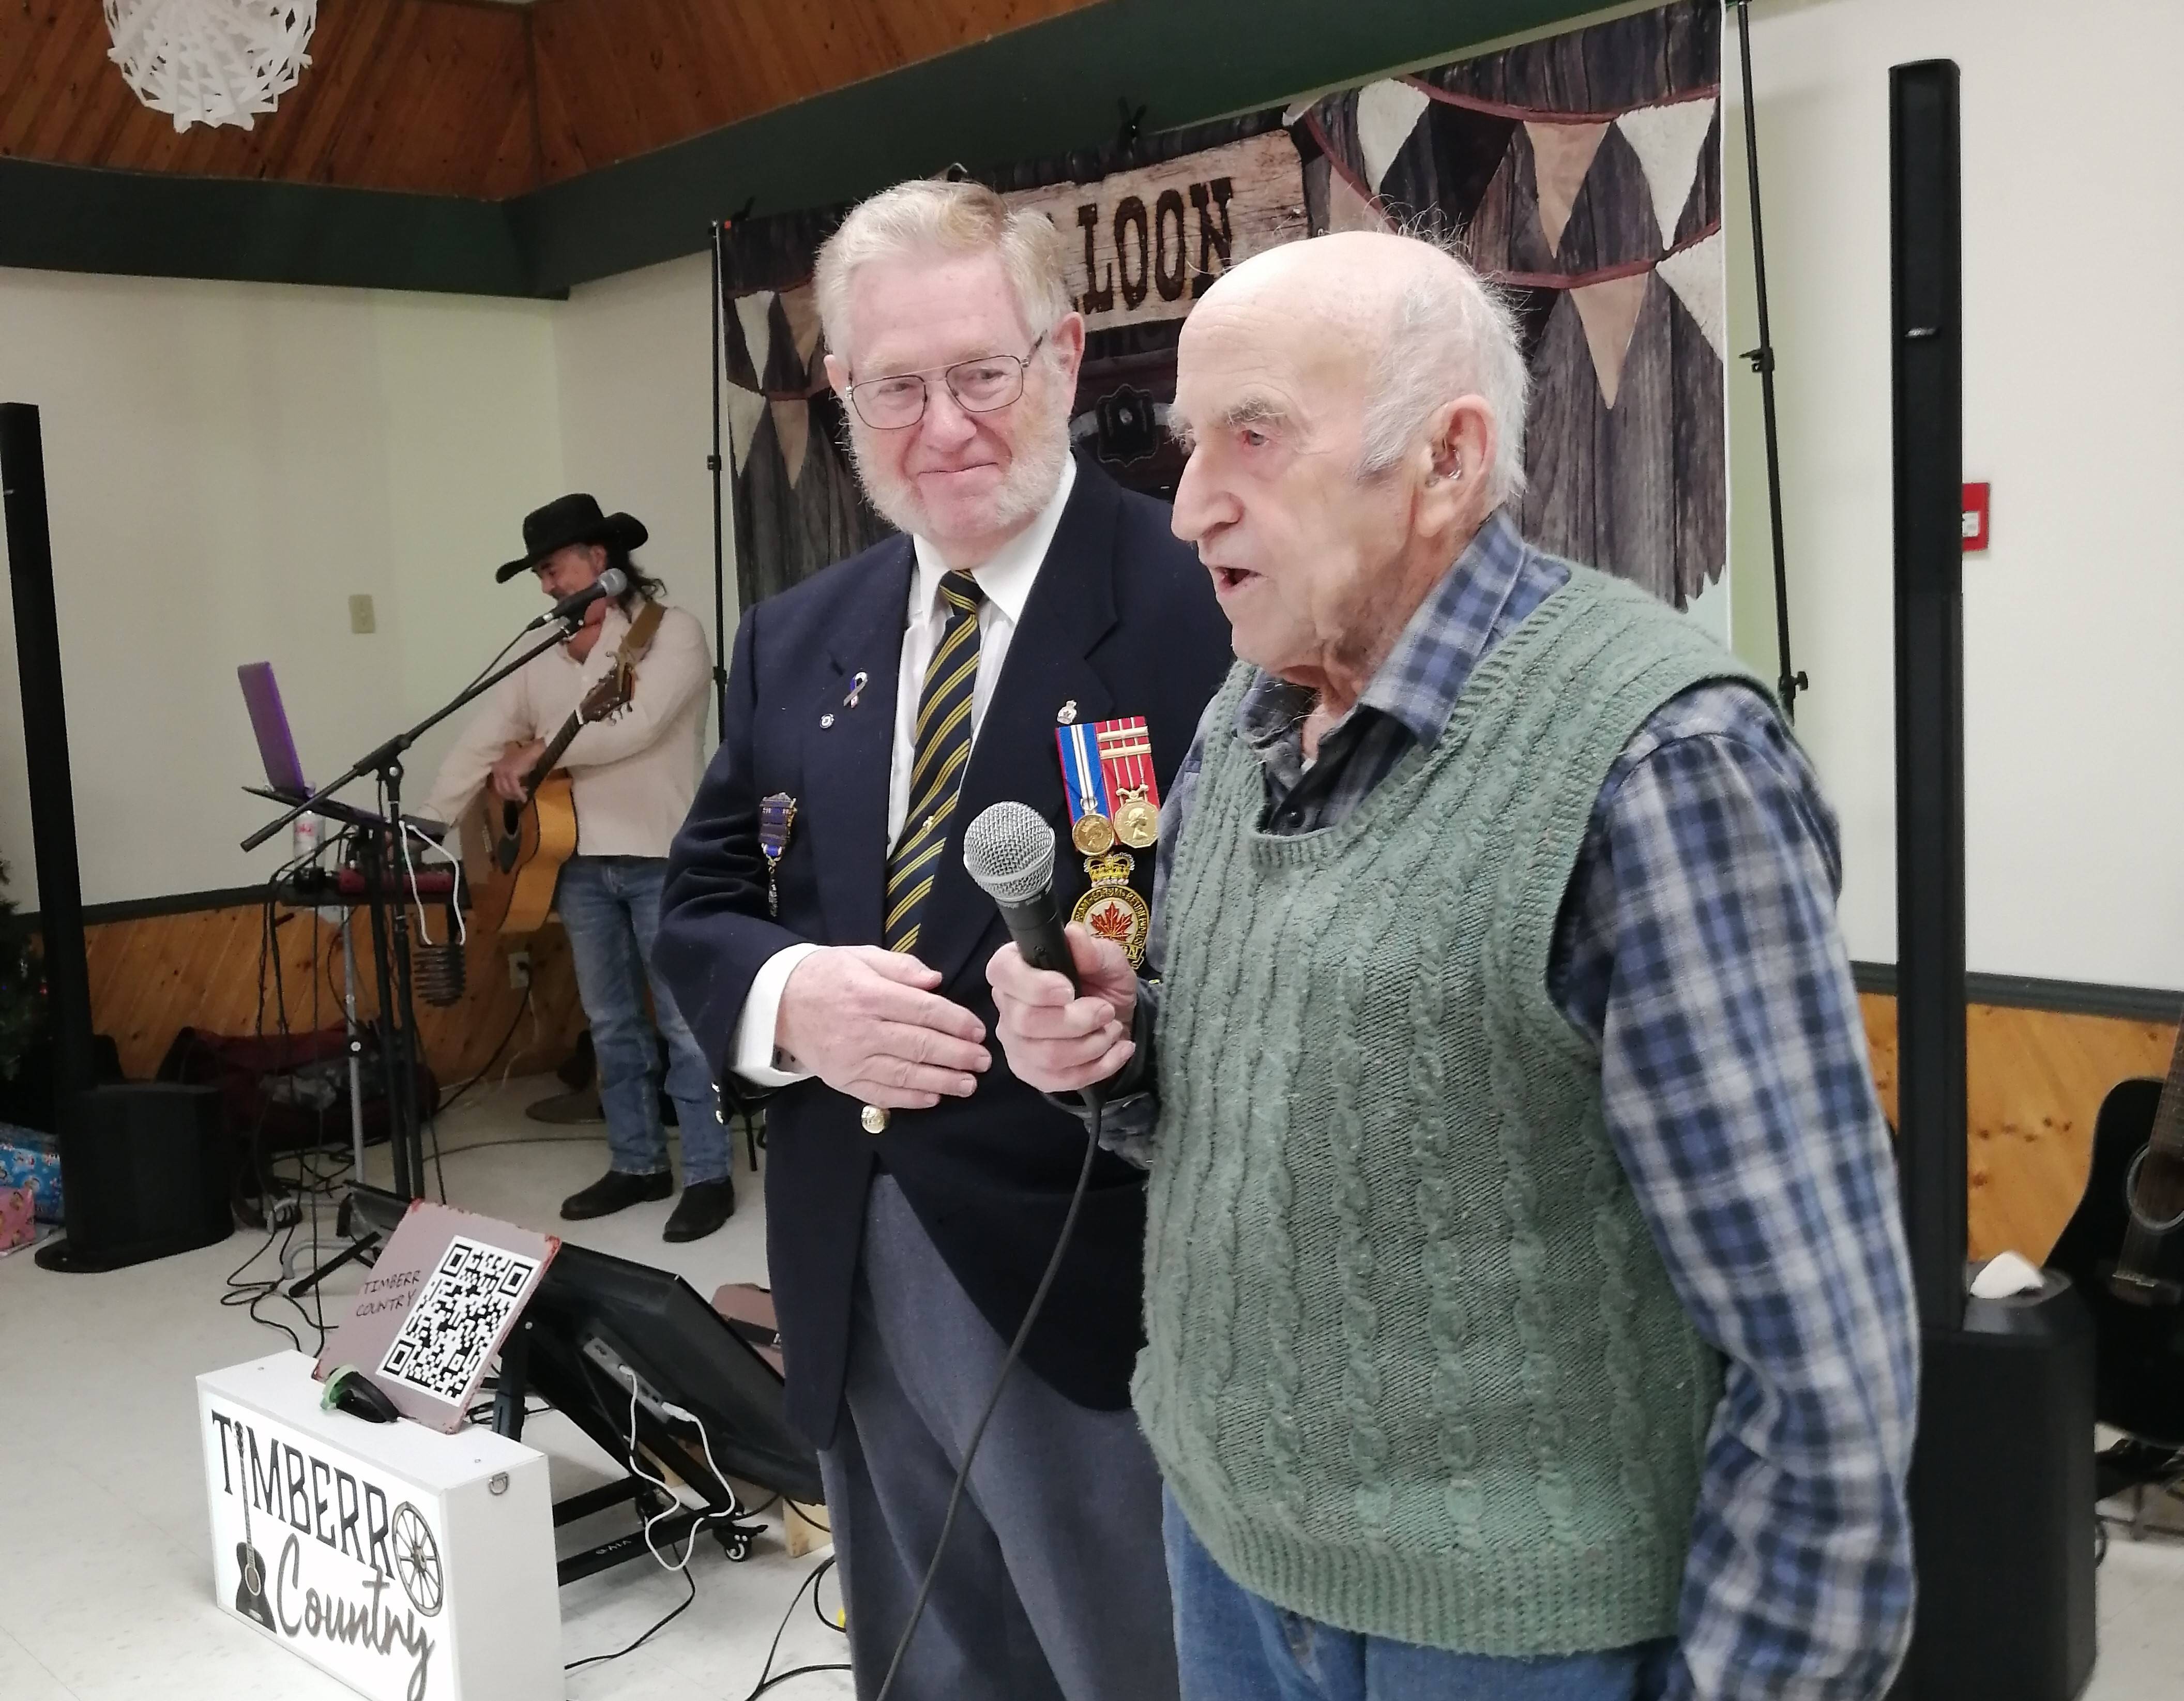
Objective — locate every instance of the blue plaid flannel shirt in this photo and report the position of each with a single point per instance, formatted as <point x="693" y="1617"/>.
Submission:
<point x="1698" y="948"/>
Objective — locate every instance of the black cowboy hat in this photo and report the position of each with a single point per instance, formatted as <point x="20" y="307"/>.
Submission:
<point x="566" y="520"/>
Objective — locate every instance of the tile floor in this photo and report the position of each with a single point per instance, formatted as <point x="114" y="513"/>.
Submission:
<point x="105" y="1589"/>
<point x="104" y="1574"/>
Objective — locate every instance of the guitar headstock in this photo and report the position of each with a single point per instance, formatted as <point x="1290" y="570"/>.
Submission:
<point x="610" y="694"/>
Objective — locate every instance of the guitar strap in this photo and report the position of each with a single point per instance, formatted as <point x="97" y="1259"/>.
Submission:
<point x="638" y="639"/>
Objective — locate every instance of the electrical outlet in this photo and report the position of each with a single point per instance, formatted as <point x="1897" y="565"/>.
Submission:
<point x="360" y="616"/>
<point x="519" y="969"/>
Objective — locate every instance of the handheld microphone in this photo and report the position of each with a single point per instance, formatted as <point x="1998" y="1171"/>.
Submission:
<point x="1009" y="850"/>
<point x="611" y="583"/>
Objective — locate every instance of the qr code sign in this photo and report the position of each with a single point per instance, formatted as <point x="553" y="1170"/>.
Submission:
<point x="466" y="1305"/>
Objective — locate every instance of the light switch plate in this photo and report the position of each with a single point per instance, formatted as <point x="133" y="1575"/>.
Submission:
<point x="360" y="616"/>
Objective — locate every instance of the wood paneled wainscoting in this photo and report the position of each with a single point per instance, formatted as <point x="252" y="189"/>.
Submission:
<point x="2035" y="1079"/>
<point x="153" y="975"/>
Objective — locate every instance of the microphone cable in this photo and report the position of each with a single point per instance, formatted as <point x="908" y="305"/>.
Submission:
<point x="1095" y="1102"/>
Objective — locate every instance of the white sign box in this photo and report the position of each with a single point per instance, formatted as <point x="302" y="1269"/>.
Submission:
<point x="410" y="1564"/>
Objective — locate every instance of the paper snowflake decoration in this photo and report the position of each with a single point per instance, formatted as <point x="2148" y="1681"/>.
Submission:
<point x="210" y="61"/>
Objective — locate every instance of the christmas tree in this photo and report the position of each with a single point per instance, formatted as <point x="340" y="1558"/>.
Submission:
<point x="22" y="986"/>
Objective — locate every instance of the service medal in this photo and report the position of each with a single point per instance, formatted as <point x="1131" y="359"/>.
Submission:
<point x="1092" y="834"/>
<point x="1126" y="763"/>
<point x="1112" y="909"/>
<point x="1137" y="823"/>
<point x="1085" y="782"/>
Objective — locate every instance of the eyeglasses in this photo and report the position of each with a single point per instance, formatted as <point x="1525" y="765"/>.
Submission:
<point x="982" y="385"/>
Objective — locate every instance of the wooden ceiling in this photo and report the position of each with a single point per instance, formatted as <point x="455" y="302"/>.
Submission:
<point x="475" y="99"/>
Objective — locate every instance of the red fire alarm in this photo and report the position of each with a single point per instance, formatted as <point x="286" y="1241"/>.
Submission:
<point x="1975" y="517"/>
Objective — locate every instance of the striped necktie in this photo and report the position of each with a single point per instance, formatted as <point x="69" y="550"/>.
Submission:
<point x="943" y="742"/>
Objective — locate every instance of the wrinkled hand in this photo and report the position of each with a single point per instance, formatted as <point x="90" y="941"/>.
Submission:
<point x="868" y="1023"/>
<point x="514" y="766"/>
<point x="1057" y="1041"/>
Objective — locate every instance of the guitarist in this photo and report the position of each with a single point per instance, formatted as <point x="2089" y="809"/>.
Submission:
<point x="633" y="775"/>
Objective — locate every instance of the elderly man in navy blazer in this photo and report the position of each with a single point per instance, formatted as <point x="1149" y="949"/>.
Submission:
<point x="821" y="933"/>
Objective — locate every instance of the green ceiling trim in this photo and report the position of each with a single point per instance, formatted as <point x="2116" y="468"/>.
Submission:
<point x="1041" y="91"/>
<point x="151" y="224"/>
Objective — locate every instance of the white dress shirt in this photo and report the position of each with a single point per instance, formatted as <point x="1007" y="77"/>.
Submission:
<point x="1007" y="581"/>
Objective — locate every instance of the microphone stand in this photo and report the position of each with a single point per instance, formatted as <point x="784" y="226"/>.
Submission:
<point x="390" y="931"/>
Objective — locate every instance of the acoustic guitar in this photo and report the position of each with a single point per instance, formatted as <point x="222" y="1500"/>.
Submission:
<point x="2125" y="1251"/>
<point x="515" y="851"/>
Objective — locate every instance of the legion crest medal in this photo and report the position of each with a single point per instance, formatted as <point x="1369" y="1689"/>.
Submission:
<point x="1114" y="802"/>
<point x="776" y="814"/>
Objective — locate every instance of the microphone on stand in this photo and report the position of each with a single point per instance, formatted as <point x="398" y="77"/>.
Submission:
<point x="438" y="970"/>
<point x="611" y="583"/>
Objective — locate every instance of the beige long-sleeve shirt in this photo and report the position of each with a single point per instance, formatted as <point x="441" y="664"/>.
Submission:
<point x="633" y="775"/>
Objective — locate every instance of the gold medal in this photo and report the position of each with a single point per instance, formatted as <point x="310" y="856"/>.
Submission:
<point x="1137" y="821"/>
<point x="1113" y="910"/>
<point x="1092" y="834"/>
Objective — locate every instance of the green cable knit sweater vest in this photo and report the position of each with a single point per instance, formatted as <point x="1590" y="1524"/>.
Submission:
<point x="1414" y="1367"/>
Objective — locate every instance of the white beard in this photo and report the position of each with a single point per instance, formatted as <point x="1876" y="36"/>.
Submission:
<point x="1034" y="473"/>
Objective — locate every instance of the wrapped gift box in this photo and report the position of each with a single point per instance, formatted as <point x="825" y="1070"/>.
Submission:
<point x="32" y="1160"/>
<point x="18" y="1226"/>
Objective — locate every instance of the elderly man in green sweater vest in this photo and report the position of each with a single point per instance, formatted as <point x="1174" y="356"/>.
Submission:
<point x="1527" y="1310"/>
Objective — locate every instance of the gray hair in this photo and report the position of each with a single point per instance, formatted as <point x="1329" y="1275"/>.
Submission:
<point x="1451" y="334"/>
<point x="933" y="216"/>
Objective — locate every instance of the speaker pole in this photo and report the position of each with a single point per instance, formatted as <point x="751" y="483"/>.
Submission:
<point x="2002" y="1472"/>
<point x="1927" y="344"/>
<point x="715" y="466"/>
<point x="1790" y="681"/>
<point x="45" y="755"/>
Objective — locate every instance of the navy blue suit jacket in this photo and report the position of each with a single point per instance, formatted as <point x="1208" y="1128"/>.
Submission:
<point x="1122" y="621"/>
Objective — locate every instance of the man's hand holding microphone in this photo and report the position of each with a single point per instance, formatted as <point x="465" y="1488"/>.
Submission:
<point x="1064" y="1000"/>
<point x="1058" y="1039"/>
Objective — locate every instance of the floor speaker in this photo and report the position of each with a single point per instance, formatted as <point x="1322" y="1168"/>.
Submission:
<point x="143" y="1175"/>
<point x="2002" y="1503"/>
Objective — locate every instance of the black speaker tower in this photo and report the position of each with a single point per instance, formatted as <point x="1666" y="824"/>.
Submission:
<point x="2001" y="1478"/>
<point x="143" y="1166"/>
<point x="45" y="749"/>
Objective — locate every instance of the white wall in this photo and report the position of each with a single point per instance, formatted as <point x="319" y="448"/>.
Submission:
<point x="225" y="466"/>
<point x="632" y="358"/>
<point x="228" y="463"/>
<point x="2074" y="410"/>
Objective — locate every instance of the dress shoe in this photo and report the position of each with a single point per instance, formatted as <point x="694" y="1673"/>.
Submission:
<point x="616" y="1191"/>
<point x="703" y="1208"/>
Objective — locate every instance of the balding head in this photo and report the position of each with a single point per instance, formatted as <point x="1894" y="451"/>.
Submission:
<point x="1355" y="406"/>
<point x="1430" y="329"/>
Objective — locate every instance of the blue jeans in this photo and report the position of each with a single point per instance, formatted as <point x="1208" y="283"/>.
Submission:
<point x="611" y="906"/>
<point x="1235" y="1646"/>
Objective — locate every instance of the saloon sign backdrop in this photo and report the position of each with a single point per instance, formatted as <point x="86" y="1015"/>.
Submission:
<point x="1580" y="172"/>
<point x="1154" y="240"/>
